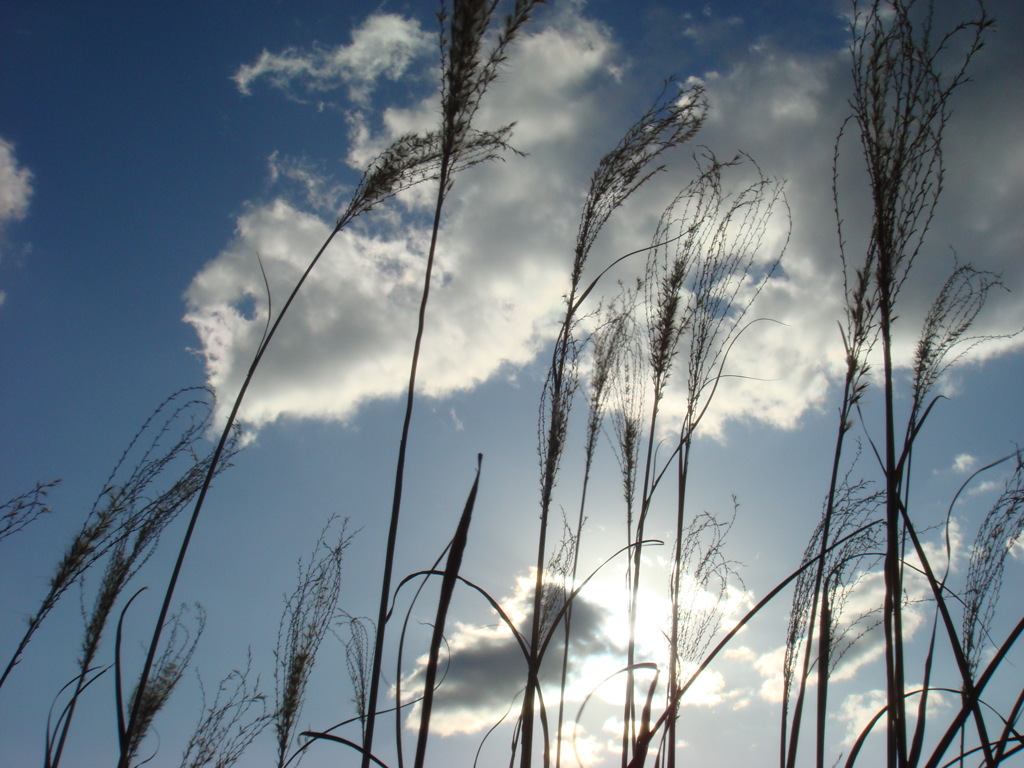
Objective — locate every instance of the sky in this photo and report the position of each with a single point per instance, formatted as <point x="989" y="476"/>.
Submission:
<point x="158" y="160"/>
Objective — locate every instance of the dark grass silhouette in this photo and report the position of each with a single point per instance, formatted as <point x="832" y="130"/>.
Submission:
<point x="623" y="348"/>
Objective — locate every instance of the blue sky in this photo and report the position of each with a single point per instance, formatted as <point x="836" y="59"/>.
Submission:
<point x="149" y="152"/>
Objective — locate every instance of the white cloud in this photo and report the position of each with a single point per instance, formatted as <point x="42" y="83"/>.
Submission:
<point x="15" y="191"/>
<point x="382" y="46"/>
<point x="500" y="276"/>
<point x="319" y="192"/>
<point x="15" y="186"/>
<point x="770" y="666"/>
<point x="507" y="236"/>
<point x="456" y="421"/>
<point x="588" y="749"/>
<point x="708" y="690"/>
<point x="859" y="709"/>
<point x="1017" y="548"/>
<point x="785" y="109"/>
<point x="988" y="486"/>
<point x="964" y="462"/>
<point x="485" y="668"/>
<point x="710" y="28"/>
<point x="486" y="665"/>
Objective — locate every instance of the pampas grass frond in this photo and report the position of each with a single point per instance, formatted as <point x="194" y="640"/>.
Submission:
<point x="229" y="724"/>
<point x="309" y="612"/>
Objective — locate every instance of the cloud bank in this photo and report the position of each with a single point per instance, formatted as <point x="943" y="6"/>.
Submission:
<point x="485" y="666"/>
<point x="507" y="236"/>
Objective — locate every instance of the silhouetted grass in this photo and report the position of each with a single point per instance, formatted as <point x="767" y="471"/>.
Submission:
<point x="669" y="335"/>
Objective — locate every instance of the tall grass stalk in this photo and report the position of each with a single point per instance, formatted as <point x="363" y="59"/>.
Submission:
<point x="169" y="668"/>
<point x="820" y="598"/>
<point x="468" y="69"/>
<point x="901" y="105"/>
<point x="410" y="160"/>
<point x="451" y="572"/>
<point x="310" y="612"/>
<point x="608" y="342"/>
<point x="859" y="334"/>
<point x="674" y="119"/>
<point x="714" y="261"/>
